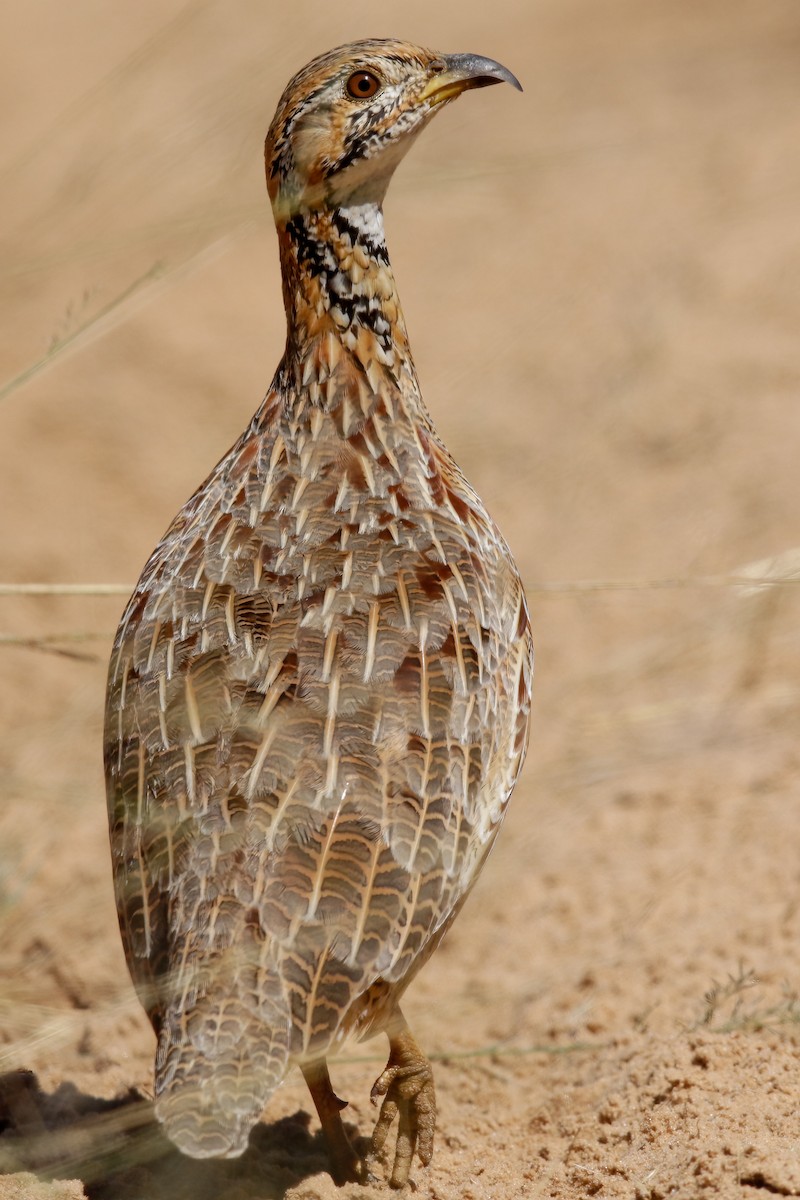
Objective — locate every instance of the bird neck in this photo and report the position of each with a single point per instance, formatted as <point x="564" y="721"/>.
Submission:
<point x="343" y="313"/>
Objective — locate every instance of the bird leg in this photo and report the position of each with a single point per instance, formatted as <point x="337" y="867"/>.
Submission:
<point x="345" y="1165"/>
<point x="408" y="1094"/>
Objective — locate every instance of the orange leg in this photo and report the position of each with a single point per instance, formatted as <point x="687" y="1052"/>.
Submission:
<point x="345" y="1165"/>
<point x="408" y="1095"/>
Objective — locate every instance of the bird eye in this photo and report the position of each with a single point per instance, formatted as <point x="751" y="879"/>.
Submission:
<point x="363" y="84"/>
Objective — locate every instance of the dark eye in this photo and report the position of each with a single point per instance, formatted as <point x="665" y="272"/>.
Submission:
<point x="363" y="84"/>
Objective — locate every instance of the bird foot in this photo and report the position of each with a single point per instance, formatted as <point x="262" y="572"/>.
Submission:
<point x="345" y="1165"/>
<point x="408" y="1096"/>
<point x="344" y="1162"/>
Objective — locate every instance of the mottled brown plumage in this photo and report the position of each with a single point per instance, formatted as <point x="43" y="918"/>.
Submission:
<point x="318" y="695"/>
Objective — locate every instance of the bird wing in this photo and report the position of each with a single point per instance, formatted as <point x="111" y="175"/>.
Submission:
<point x="307" y="760"/>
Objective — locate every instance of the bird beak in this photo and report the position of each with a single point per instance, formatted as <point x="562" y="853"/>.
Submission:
<point x="464" y="71"/>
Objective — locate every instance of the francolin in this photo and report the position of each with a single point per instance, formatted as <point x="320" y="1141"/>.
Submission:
<point x="319" y="691"/>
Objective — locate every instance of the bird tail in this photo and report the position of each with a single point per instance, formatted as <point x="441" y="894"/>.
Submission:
<point x="217" y="1064"/>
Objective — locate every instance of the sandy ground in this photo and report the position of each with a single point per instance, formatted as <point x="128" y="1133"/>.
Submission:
<point x="601" y="283"/>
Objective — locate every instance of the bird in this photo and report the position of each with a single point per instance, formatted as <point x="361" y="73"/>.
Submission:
<point x="319" y="692"/>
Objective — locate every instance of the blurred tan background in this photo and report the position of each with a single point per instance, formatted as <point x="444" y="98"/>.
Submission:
<point x="600" y="279"/>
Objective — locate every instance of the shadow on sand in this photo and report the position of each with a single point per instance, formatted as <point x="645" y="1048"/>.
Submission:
<point x="116" y="1148"/>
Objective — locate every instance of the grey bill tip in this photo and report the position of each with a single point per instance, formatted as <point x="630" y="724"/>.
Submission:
<point x="482" y="72"/>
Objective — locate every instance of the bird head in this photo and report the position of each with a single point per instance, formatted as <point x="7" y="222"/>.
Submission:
<point x="346" y="120"/>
